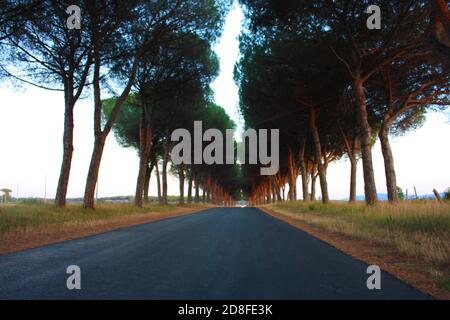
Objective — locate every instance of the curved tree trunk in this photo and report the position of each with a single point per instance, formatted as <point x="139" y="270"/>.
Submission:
<point x="370" y="189"/>
<point x="389" y="168"/>
<point x="318" y="154"/>
<point x="148" y="175"/>
<point x="63" y="182"/>
<point x="94" y="167"/>
<point x="101" y="135"/>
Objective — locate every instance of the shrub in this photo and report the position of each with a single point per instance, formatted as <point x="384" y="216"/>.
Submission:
<point x="447" y="195"/>
<point x="400" y="193"/>
<point x="32" y="201"/>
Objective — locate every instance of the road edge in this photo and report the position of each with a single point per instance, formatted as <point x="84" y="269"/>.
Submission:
<point x="358" y="250"/>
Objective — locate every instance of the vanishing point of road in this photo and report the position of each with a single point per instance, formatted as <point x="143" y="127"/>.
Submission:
<point x="221" y="253"/>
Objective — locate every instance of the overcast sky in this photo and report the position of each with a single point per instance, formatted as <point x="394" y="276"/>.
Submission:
<point x="31" y="127"/>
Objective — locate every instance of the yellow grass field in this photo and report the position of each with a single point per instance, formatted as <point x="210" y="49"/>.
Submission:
<point x="22" y="218"/>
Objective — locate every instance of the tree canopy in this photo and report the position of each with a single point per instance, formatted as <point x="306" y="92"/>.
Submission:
<point x="332" y="85"/>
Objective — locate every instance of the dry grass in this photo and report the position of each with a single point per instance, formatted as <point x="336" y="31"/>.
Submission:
<point x="23" y="218"/>
<point x="419" y="230"/>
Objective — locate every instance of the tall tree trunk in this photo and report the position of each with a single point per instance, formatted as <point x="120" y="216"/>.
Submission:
<point x="370" y="189"/>
<point x="353" y="168"/>
<point x="148" y="175"/>
<point x="94" y="167"/>
<point x="304" y="172"/>
<point x="158" y="181"/>
<point x="190" y="181"/>
<point x="351" y="152"/>
<point x="318" y="155"/>
<point x="269" y="192"/>
<point x="63" y="182"/>
<point x="291" y="192"/>
<point x="313" y="183"/>
<point x="442" y="16"/>
<point x="291" y="172"/>
<point x="295" y="187"/>
<point x="274" y="191"/>
<point x="277" y="190"/>
<point x="165" y="199"/>
<point x="182" y="179"/>
<point x="101" y="135"/>
<point x="197" y="192"/>
<point x="389" y="168"/>
<point x="146" y="137"/>
<point x="305" y="192"/>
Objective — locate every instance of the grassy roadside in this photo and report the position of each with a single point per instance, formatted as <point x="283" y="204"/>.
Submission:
<point x="29" y="226"/>
<point x="19" y="217"/>
<point x="419" y="231"/>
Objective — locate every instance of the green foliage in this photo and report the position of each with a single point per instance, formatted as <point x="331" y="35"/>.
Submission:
<point x="31" y="201"/>
<point x="126" y="128"/>
<point x="400" y="193"/>
<point x="447" y="195"/>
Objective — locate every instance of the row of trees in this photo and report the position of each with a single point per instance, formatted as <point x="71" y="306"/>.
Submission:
<point x="148" y="55"/>
<point x="332" y="86"/>
<point x="219" y="184"/>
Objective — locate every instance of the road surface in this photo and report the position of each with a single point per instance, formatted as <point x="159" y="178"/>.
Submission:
<point x="222" y="253"/>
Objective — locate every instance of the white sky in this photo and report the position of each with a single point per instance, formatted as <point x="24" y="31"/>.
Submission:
<point x="226" y="90"/>
<point x="31" y="127"/>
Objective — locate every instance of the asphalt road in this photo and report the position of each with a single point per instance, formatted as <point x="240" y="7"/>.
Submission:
<point x="224" y="253"/>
